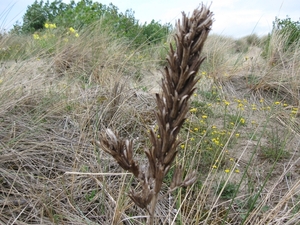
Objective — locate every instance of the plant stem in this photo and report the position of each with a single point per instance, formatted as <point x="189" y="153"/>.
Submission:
<point x="152" y="209"/>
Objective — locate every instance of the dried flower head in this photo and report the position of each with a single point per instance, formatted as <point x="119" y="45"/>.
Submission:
<point x="178" y="85"/>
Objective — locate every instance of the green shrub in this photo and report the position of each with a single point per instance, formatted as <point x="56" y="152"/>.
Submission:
<point x="85" y="13"/>
<point x="39" y="13"/>
<point x="154" y="31"/>
<point x="285" y="32"/>
<point x="288" y="28"/>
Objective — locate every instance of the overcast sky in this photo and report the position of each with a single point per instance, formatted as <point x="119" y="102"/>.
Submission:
<point x="236" y="18"/>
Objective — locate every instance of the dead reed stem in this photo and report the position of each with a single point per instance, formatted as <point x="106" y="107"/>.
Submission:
<point x="178" y="84"/>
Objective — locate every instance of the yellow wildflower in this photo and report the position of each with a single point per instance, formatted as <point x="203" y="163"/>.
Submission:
<point x="72" y="30"/>
<point x="52" y="25"/>
<point x="227" y="170"/>
<point x="76" y="35"/>
<point x="193" y="110"/>
<point x="240" y="105"/>
<point x="1" y="81"/>
<point x="204" y="116"/>
<point x="46" y="25"/>
<point x="215" y="167"/>
<point x="276" y="103"/>
<point x="294" y="111"/>
<point x="237" y="134"/>
<point x="237" y="171"/>
<point x="182" y="146"/>
<point x="36" y="36"/>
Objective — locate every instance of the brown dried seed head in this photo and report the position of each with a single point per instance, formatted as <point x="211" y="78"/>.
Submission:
<point x="190" y="179"/>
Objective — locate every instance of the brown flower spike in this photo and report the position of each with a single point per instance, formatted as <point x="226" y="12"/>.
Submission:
<point x="178" y="85"/>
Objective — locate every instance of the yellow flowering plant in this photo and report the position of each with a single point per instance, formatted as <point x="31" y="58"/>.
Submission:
<point x="73" y="31"/>
<point x="50" y="25"/>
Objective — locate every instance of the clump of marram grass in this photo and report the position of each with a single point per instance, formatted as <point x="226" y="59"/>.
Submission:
<point x="222" y="60"/>
<point x="178" y="85"/>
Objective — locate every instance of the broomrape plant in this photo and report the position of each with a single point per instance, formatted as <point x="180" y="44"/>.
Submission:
<point x="178" y="84"/>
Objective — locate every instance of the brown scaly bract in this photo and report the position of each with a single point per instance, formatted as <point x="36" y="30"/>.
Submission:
<point x="178" y="85"/>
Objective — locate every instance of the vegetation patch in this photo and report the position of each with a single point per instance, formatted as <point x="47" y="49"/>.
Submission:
<point x="63" y="82"/>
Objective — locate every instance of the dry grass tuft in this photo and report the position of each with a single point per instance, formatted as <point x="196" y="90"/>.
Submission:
<point x="47" y="120"/>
